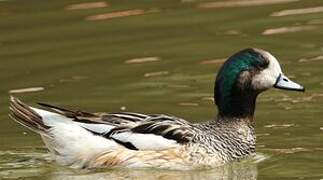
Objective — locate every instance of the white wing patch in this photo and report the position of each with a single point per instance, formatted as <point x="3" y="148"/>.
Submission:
<point x="98" y="128"/>
<point x="50" y="118"/>
<point x="145" y="141"/>
<point x="75" y="146"/>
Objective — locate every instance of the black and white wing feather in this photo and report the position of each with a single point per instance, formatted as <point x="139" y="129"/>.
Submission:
<point x="156" y="133"/>
<point x="135" y="131"/>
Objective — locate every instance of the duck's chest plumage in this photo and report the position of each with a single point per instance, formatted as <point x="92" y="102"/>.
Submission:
<point x="214" y="143"/>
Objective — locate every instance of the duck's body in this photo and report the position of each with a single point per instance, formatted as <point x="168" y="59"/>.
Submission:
<point x="81" y="139"/>
<point x="133" y="140"/>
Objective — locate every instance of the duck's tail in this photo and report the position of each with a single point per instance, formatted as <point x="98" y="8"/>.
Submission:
<point x="38" y="120"/>
<point x="26" y="116"/>
<point x="68" y="141"/>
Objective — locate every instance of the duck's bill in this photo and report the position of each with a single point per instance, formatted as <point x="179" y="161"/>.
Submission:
<point x="284" y="83"/>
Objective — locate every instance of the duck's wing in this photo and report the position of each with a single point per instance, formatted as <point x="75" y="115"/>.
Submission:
<point x="135" y="131"/>
<point x="114" y="119"/>
<point x="156" y="133"/>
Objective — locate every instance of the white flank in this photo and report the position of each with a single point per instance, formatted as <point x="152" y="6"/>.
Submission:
<point x="98" y="128"/>
<point x="76" y="146"/>
<point x="70" y="143"/>
<point x="146" y="141"/>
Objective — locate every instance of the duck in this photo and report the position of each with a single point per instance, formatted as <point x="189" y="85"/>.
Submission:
<point x="81" y="139"/>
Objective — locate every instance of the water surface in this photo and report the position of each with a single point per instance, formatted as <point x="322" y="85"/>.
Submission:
<point x="161" y="57"/>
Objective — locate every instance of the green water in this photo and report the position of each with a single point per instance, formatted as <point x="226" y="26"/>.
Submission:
<point x="81" y="63"/>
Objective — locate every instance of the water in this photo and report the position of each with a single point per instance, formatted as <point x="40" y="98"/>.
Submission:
<point x="72" y="57"/>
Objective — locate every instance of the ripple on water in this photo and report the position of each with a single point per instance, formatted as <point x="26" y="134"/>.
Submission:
<point x="242" y="3"/>
<point x="157" y="73"/>
<point x="91" y="5"/>
<point x="245" y="170"/>
<point x="14" y="159"/>
<point x="14" y="164"/>
<point x="290" y="29"/>
<point x="188" y="104"/>
<point x="288" y="150"/>
<point x="213" y="61"/>
<point x="118" y="14"/>
<point x="317" y="58"/>
<point x="289" y="12"/>
<point x="279" y="125"/>
<point x="142" y="60"/>
<point x="25" y="90"/>
<point x="293" y="100"/>
<point x="315" y="21"/>
<point x="73" y="79"/>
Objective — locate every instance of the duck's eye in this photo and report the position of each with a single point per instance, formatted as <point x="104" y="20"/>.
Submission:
<point x="286" y="80"/>
<point x="263" y="65"/>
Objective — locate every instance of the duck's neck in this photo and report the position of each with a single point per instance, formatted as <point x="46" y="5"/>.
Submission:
<point x="239" y="105"/>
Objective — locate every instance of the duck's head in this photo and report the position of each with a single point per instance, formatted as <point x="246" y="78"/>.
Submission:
<point x="243" y="76"/>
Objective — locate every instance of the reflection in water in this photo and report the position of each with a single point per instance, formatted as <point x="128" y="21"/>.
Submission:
<point x="289" y="150"/>
<point x="317" y="58"/>
<point x="158" y="73"/>
<point x="242" y="3"/>
<point x="294" y="100"/>
<point x="13" y="159"/>
<point x="142" y="60"/>
<point x="34" y="165"/>
<point x="234" y="171"/>
<point x="91" y="5"/>
<point x="298" y="11"/>
<point x="279" y="125"/>
<point x="132" y="12"/>
<point x="24" y="90"/>
<point x="281" y="30"/>
<point x="214" y="61"/>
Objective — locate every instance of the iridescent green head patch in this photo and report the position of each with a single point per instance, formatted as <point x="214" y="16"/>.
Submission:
<point x="245" y="60"/>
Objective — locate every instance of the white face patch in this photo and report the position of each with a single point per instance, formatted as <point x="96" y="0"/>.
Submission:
<point x="267" y="77"/>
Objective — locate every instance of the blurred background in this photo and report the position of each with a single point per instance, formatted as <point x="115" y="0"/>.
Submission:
<point x="161" y="56"/>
